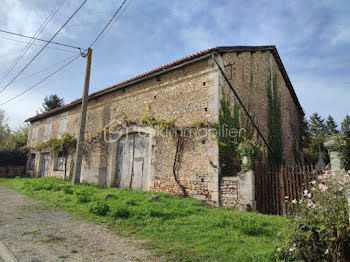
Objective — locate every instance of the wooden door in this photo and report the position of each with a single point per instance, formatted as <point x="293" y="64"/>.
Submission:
<point x="45" y="161"/>
<point x="132" y="161"/>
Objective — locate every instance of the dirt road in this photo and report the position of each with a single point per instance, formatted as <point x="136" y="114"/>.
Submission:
<point x="33" y="232"/>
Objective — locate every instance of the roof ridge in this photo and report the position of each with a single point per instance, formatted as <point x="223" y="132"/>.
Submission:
<point x="169" y="65"/>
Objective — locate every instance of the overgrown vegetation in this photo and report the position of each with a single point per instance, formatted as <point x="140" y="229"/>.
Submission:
<point x="320" y="230"/>
<point x="183" y="229"/>
<point x="228" y="143"/>
<point x="274" y="123"/>
<point x="12" y="143"/>
<point x="65" y="144"/>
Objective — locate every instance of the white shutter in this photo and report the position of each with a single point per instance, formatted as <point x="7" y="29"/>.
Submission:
<point x="63" y="123"/>
<point x="35" y="130"/>
<point x="48" y="127"/>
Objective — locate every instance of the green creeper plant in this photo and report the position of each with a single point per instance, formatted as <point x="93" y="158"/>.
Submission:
<point x="65" y="144"/>
<point x="274" y="121"/>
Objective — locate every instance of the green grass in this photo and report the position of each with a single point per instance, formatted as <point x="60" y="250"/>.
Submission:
<point x="181" y="229"/>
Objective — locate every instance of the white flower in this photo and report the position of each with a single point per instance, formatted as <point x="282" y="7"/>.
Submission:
<point x="286" y="197"/>
<point x="322" y="187"/>
<point x="326" y="252"/>
<point x="313" y="182"/>
<point x="305" y="192"/>
<point x="278" y="250"/>
<point x="309" y="195"/>
<point x="291" y="249"/>
<point x="294" y="201"/>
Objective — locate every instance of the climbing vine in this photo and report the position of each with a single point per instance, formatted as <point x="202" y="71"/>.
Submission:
<point x="228" y="145"/>
<point x="274" y="121"/>
<point x="66" y="144"/>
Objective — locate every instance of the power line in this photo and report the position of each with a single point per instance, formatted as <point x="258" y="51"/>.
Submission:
<point x="44" y="46"/>
<point x="19" y="41"/>
<point x="42" y="40"/>
<point x="47" y="77"/>
<point x="99" y="35"/>
<point x="50" y="66"/>
<point x="30" y="43"/>
<point x="116" y="20"/>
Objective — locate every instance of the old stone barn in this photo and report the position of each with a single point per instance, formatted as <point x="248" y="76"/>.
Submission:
<point x="186" y="93"/>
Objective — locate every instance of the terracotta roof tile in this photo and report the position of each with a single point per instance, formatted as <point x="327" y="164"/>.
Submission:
<point x="159" y="69"/>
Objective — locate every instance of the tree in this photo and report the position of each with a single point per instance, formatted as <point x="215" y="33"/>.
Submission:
<point x="331" y="126"/>
<point x="4" y="129"/>
<point x="52" y="102"/>
<point x="316" y="136"/>
<point x="317" y="125"/>
<point x="12" y="143"/>
<point x="345" y="125"/>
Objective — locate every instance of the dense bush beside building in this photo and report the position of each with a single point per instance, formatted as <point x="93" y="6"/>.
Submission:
<point x="320" y="230"/>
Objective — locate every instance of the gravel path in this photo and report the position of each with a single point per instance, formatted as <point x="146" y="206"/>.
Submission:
<point x="33" y="233"/>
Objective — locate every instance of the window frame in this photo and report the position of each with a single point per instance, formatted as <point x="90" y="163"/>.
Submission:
<point x="59" y="162"/>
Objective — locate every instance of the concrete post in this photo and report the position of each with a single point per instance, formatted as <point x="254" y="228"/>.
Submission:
<point x="333" y="154"/>
<point x="347" y="196"/>
<point x="80" y="142"/>
<point x="246" y="191"/>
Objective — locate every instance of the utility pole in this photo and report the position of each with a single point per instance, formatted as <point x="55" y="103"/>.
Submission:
<point x="80" y="142"/>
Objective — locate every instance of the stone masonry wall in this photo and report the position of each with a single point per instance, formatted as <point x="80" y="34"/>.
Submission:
<point x="186" y="94"/>
<point x="229" y="191"/>
<point x="249" y="73"/>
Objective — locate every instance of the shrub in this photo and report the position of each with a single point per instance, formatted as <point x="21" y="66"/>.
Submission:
<point x="319" y="231"/>
<point x="120" y="211"/>
<point x="100" y="208"/>
<point x="67" y="189"/>
<point x="84" y="195"/>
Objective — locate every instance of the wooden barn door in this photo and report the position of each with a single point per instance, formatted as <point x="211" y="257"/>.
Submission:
<point x="132" y="161"/>
<point x="45" y="160"/>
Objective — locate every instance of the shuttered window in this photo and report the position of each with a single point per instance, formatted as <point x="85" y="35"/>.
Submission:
<point x="63" y="123"/>
<point x="48" y="127"/>
<point x="35" y="130"/>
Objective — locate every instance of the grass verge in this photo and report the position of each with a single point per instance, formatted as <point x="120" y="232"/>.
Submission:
<point x="182" y="229"/>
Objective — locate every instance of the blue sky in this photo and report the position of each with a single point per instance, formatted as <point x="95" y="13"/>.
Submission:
<point x="312" y="37"/>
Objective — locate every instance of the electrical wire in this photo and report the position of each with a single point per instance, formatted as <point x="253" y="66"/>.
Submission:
<point x="42" y="40"/>
<point x="30" y="43"/>
<point x="115" y="21"/>
<point x="38" y="83"/>
<point x="44" y="46"/>
<point x="97" y="38"/>
<point x="19" y="41"/>
<point x="99" y="35"/>
<point x="46" y="68"/>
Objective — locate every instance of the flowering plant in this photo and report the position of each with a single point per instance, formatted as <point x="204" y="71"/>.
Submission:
<point x="319" y="229"/>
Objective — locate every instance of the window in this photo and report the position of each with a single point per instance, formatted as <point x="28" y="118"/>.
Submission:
<point x="63" y="123"/>
<point x="31" y="164"/>
<point x="60" y="162"/>
<point x="35" y="130"/>
<point x="48" y="127"/>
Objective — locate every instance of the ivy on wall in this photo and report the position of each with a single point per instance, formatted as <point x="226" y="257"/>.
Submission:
<point x="274" y="121"/>
<point x="228" y="145"/>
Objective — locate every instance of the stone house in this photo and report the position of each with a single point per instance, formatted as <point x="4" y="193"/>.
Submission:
<point x="187" y="90"/>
